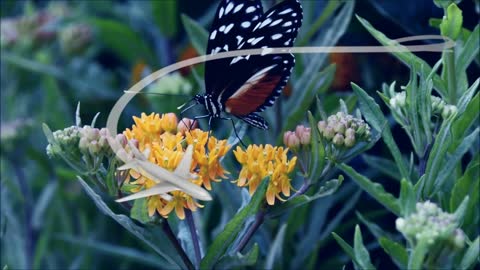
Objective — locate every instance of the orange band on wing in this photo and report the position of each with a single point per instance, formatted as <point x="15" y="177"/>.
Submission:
<point x="252" y="98"/>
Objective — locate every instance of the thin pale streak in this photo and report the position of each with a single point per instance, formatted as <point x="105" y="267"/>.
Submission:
<point x="394" y="46"/>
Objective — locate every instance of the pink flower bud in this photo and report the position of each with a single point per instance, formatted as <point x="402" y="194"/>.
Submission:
<point x="290" y="139"/>
<point x="186" y="124"/>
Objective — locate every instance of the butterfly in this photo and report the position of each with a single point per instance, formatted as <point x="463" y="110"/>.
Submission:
<point x="244" y="85"/>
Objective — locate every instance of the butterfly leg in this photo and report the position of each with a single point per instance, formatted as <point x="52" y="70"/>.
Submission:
<point x="234" y="130"/>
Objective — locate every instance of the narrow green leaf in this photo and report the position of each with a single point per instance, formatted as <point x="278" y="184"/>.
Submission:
<point x="407" y="198"/>
<point x="467" y="97"/>
<point x="360" y="251"/>
<point x="225" y="239"/>
<point x="383" y="165"/>
<point x="374" y="189"/>
<point x="471" y="255"/>
<point x="328" y="188"/>
<point x="374" y="116"/>
<point x="346" y="247"/>
<point x="407" y="58"/>
<point x="461" y="209"/>
<point x="453" y="160"/>
<point x="196" y="33"/>
<point x="122" y="40"/>
<point x="418" y="254"/>
<point x="437" y="155"/>
<point x="165" y="16"/>
<point x="463" y="186"/>
<point x="451" y="25"/>
<point x="317" y="156"/>
<point x="42" y="204"/>
<point x="372" y="227"/>
<point x="469" y="52"/>
<point x="239" y="260"/>
<point x="464" y="121"/>
<point x="396" y="251"/>
<point x="168" y="257"/>
<point x="276" y="248"/>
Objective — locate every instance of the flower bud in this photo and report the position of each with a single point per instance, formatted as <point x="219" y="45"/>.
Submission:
<point x="122" y="139"/>
<point x="186" y="124"/>
<point x="321" y="126"/>
<point x="349" y="140"/>
<point x="290" y="139"/>
<point x="303" y="133"/>
<point x="449" y="110"/>
<point x="83" y="144"/>
<point x="338" y="139"/>
<point x="329" y="133"/>
<point x="75" y="39"/>
<point x="339" y="128"/>
<point x="93" y="147"/>
<point x="169" y="122"/>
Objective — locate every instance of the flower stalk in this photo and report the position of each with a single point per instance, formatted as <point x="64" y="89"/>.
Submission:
<point x="193" y="232"/>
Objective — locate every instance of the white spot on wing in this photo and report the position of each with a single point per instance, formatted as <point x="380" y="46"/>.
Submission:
<point x="276" y="36"/>
<point x="255" y="41"/>
<point x="246" y="24"/>
<point x="287" y="24"/>
<point x="294" y="14"/>
<point x="276" y="22"/>
<point x="285" y="11"/>
<point x="228" y="28"/>
<point x="214" y="33"/>
<point x="237" y="8"/>
<point x="222" y="28"/>
<point x="228" y="8"/>
<point x="250" y="9"/>
<point x="225" y="47"/>
<point x="267" y="21"/>
<point x="220" y="13"/>
<point x="239" y="39"/>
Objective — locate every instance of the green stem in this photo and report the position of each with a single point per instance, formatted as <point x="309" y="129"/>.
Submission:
<point x="451" y="78"/>
<point x="193" y="232"/>
<point x="173" y="239"/>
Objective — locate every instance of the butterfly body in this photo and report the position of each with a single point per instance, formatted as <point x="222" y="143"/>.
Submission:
<point x="245" y="85"/>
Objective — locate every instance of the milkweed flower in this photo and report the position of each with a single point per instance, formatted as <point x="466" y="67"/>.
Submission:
<point x="166" y="145"/>
<point x="344" y="130"/>
<point x="260" y="161"/>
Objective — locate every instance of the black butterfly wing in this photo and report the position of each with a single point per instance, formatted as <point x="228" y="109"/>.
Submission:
<point x="234" y="21"/>
<point x="257" y="80"/>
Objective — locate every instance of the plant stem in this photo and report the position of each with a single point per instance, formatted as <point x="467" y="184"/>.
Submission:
<point x="451" y="78"/>
<point x="193" y="232"/>
<point x="259" y="217"/>
<point x="171" y="236"/>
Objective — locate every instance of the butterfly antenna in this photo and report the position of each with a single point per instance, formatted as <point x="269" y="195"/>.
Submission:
<point x="156" y="94"/>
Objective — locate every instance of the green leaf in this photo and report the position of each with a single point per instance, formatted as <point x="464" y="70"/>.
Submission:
<point x="225" y="239"/>
<point x="196" y="33"/>
<point x="239" y="260"/>
<point x="461" y="209"/>
<point x="374" y="116"/>
<point x="451" y="25"/>
<point x="360" y="251"/>
<point x="464" y="121"/>
<point x="437" y="155"/>
<point x="418" y="255"/>
<point x="317" y="156"/>
<point x="382" y="165"/>
<point x="466" y="98"/>
<point x="453" y="160"/>
<point x="372" y="227"/>
<point x="407" y="58"/>
<point x="328" y="188"/>
<point x="465" y="186"/>
<point x="276" y="248"/>
<point x="42" y="204"/>
<point x="407" y="198"/>
<point x="469" y="52"/>
<point x="374" y="189"/>
<point x="396" y="251"/>
<point x="471" y="255"/>
<point x="165" y="16"/>
<point x="139" y="210"/>
<point x="346" y="247"/>
<point x="306" y="97"/>
<point x="158" y="242"/>
<point x="124" y="253"/>
<point x="122" y="40"/>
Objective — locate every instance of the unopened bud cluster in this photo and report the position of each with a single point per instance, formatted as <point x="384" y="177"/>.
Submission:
<point x="67" y="139"/>
<point x="429" y="223"/>
<point x="439" y="106"/>
<point x="75" y="38"/>
<point x="300" y="137"/>
<point x="93" y="140"/>
<point x="344" y="130"/>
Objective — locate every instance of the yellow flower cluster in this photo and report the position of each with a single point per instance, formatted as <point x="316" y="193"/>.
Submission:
<point x="167" y="145"/>
<point x="260" y="161"/>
